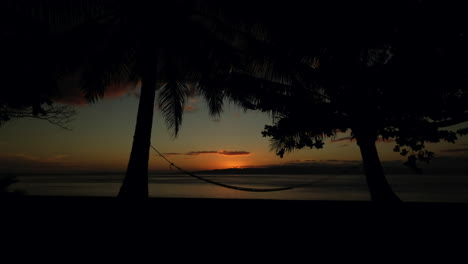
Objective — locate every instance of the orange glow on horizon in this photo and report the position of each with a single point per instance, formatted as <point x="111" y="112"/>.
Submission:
<point x="202" y="162"/>
<point x="233" y="164"/>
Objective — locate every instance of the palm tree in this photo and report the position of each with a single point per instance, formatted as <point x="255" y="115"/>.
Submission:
<point x="172" y="48"/>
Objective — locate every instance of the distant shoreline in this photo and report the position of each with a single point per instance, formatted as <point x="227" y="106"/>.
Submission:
<point x="293" y="170"/>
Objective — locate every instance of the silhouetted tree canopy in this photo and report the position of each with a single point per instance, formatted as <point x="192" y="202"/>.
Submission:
<point x="388" y="69"/>
<point x="172" y="48"/>
<point x="29" y="70"/>
<point x="395" y="71"/>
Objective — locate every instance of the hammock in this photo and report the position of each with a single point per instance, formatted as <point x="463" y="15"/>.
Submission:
<point x="239" y="188"/>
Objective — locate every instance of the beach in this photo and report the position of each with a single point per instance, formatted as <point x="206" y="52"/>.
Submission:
<point x="314" y="187"/>
<point x="209" y="212"/>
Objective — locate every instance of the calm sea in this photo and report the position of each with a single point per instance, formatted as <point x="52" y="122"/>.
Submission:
<point x="427" y="188"/>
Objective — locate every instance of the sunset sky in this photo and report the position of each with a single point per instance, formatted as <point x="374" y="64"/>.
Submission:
<point x="101" y="140"/>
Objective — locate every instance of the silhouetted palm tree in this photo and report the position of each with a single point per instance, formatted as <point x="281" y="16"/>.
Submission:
<point x="170" y="47"/>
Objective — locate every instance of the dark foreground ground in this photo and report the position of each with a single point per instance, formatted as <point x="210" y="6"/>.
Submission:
<point x="189" y="210"/>
<point x="188" y="221"/>
<point x="227" y="230"/>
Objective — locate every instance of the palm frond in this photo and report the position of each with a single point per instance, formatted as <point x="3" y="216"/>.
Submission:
<point x="171" y="99"/>
<point x="213" y="92"/>
<point x="114" y="66"/>
<point x="100" y="77"/>
<point x="273" y="69"/>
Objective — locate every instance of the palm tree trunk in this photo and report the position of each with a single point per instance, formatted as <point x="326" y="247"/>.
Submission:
<point x="135" y="184"/>
<point x="379" y="188"/>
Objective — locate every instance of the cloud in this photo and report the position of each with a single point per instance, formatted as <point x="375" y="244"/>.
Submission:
<point x="192" y="105"/>
<point x="23" y="162"/>
<point x="190" y="108"/>
<point x="70" y="91"/>
<point x="172" y="154"/>
<point x="58" y="157"/>
<point x="119" y="90"/>
<point x="233" y="153"/>
<point x="202" y="152"/>
<point x="457" y="150"/>
<point x="439" y="165"/>
<point x="322" y="162"/>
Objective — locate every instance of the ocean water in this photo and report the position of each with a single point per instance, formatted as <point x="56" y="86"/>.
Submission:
<point x="423" y="188"/>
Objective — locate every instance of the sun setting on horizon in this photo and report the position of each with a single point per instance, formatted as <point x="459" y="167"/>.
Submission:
<point x="101" y="141"/>
<point x="178" y="99"/>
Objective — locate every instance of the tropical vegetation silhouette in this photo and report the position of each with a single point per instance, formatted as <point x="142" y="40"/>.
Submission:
<point x="29" y="70"/>
<point x="171" y="48"/>
<point x="389" y="71"/>
<point x="394" y="77"/>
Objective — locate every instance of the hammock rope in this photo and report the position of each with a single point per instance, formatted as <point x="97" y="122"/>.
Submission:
<point x="239" y="188"/>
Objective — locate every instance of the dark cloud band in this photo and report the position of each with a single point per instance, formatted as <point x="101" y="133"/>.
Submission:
<point x="222" y="152"/>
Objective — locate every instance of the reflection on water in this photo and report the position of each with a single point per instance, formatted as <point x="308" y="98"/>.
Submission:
<point x="431" y="188"/>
